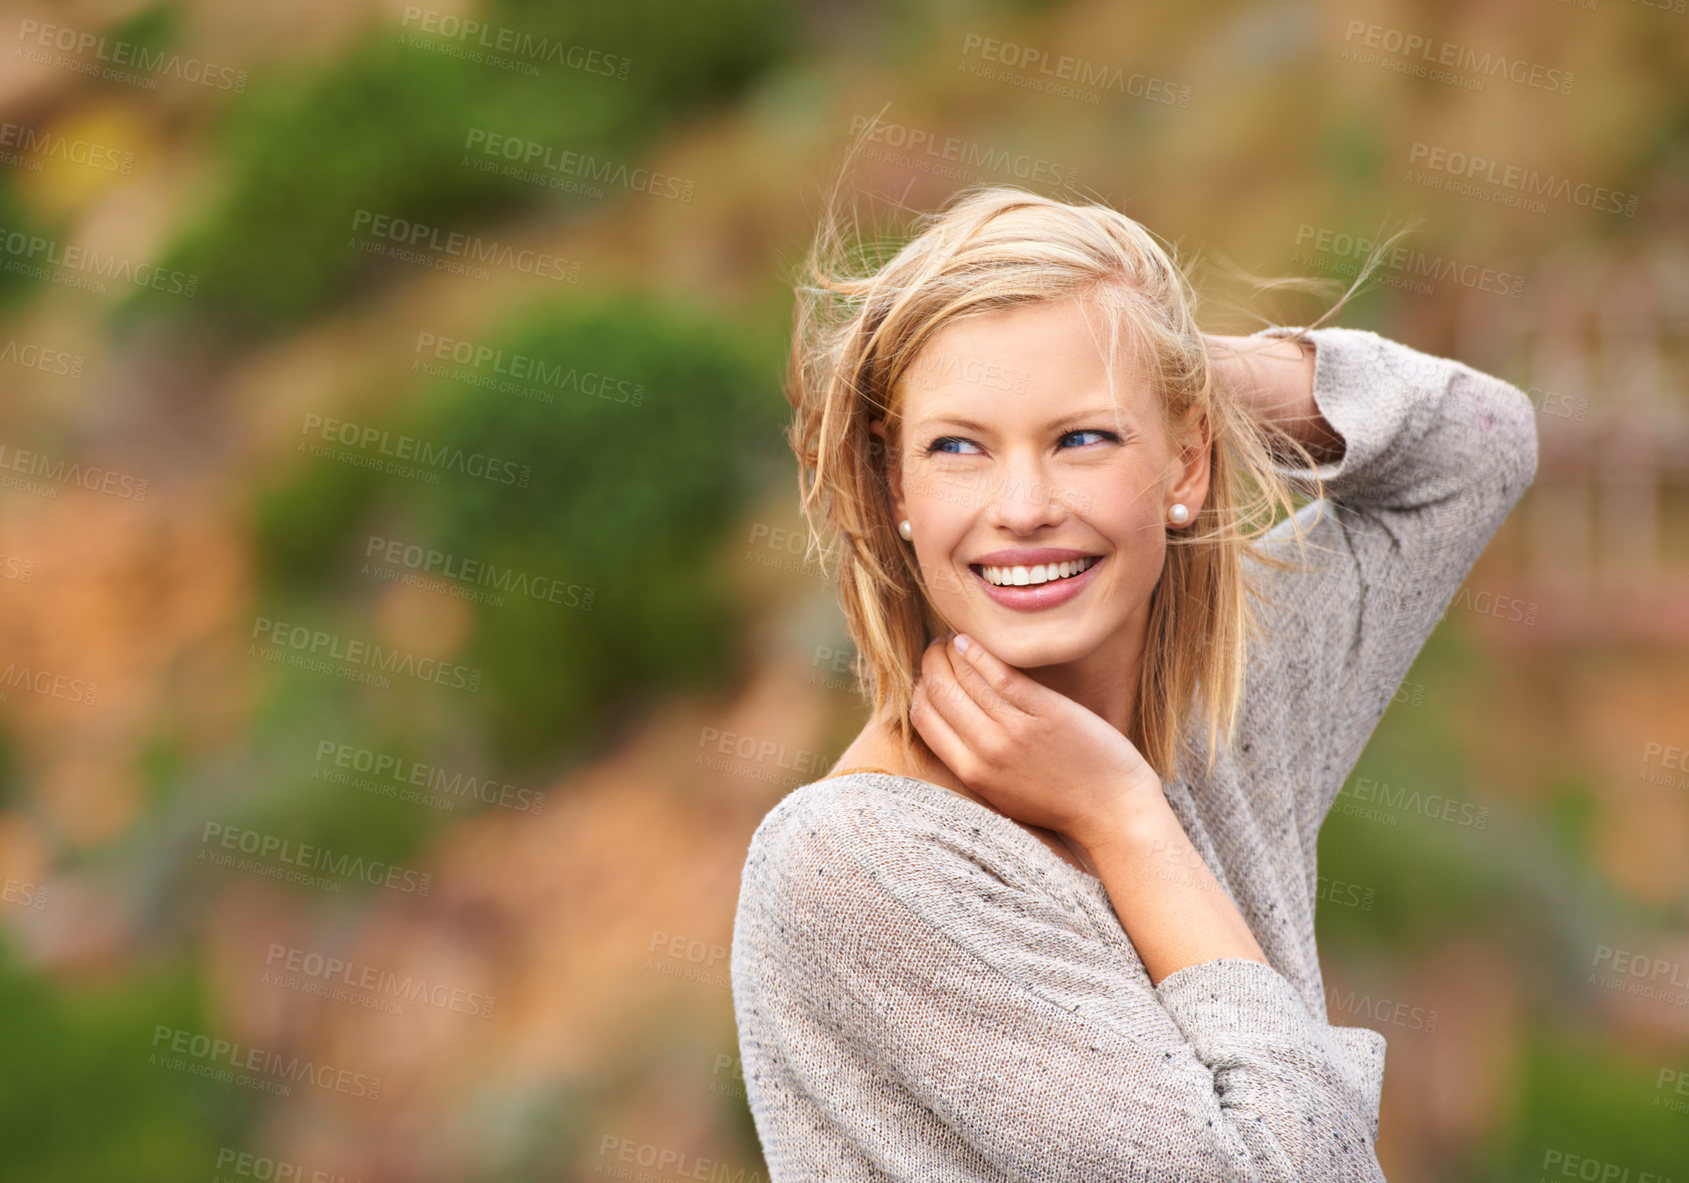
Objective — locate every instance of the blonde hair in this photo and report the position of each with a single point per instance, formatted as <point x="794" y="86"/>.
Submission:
<point x="857" y="331"/>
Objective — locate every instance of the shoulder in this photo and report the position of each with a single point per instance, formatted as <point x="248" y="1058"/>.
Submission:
<point x="889" y="842"/>
<point x="853" y="821"/>
<point x="826" y="808"/>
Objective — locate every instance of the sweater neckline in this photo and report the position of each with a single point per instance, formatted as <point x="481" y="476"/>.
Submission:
<point x="969" y="814"/>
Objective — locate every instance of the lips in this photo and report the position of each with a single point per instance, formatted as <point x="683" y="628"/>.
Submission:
<point x="1059" y="579"/>
<point x="1034" y="575"/>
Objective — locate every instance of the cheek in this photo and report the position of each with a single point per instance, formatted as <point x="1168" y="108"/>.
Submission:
<point x="1125" y="507"/>
<point x="1130" y="517"/>
<point x="940" y="527"/>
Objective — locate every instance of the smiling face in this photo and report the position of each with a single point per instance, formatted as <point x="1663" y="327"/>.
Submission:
<point x="1012" y="458"/>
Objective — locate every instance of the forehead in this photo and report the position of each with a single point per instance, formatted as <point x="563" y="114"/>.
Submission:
<point x="1028" y="362"/>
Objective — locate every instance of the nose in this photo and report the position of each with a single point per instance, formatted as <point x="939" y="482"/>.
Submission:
<point x="1022" y="499"/>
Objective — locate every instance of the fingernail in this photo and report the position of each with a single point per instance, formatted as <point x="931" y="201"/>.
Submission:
<point x="962" y="643"/>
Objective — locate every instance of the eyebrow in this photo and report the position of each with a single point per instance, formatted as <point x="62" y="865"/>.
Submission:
<point x="1105" y="413"/>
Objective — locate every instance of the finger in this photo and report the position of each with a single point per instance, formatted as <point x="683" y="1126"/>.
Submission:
<point x="938" y="734"/>
<point x="946" y="695"/>
<point x="1016" y="689"/>
<point x="973" y="680"/>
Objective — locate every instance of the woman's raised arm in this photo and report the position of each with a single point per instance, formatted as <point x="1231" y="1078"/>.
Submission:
<point x="1434" y="455"/>
<point x="1276" y="380"/>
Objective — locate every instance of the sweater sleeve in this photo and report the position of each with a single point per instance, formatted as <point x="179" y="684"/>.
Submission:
<point x="898" y="969"/>
<point x="1435" y="455"/>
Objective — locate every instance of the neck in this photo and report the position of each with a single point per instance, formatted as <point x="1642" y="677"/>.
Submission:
<point x="1104" y="681"/>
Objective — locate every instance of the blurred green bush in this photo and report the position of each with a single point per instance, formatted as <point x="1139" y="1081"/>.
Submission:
<point x="662" y="420"/>
<point x="384" y="128"/>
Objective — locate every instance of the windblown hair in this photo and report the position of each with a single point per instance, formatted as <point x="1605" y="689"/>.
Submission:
<point x="859" y="326"/>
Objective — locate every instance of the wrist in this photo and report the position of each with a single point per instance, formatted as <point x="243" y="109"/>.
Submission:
<point x="1132" y="822"/>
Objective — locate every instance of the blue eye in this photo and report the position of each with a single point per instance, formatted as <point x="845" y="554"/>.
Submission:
<point x="1108" y="435"/>
<point x="943" y="444"/>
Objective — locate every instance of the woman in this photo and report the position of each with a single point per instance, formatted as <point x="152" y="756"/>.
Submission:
<point x="1053" y="917"/>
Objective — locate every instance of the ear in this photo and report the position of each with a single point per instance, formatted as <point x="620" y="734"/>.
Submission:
<point x="892" y="467"/>
<point x="1192" y="447"/>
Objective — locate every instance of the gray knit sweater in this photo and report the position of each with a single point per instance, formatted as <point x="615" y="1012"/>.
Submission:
<point x="924" y="991"/>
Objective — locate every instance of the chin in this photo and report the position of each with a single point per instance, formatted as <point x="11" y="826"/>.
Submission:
<point x="1026" y="648"/>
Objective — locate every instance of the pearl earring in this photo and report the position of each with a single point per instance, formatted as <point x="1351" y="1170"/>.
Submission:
<point x="1179" y="514"/>
<point x="905" y="529"/>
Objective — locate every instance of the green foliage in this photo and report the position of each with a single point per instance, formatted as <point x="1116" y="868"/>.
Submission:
<point x="153" y="27"/>
<point x="12" y="791"/>
<point x="79" y="1099"/>
<point x="303" y="521"/>
<point x="632" y="491"/>
<point x="659" y="424"/>
<point x="16" y="229"/>
<point x="1585" y="1100"/>
<point x="346" y="820"/>
<point x="384" y="130"/>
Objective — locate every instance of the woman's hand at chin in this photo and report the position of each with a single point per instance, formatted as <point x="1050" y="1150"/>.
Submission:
<point x="1036" y="755"/>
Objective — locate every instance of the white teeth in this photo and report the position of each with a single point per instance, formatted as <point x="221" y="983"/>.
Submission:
<point x="1032" y="576"/>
